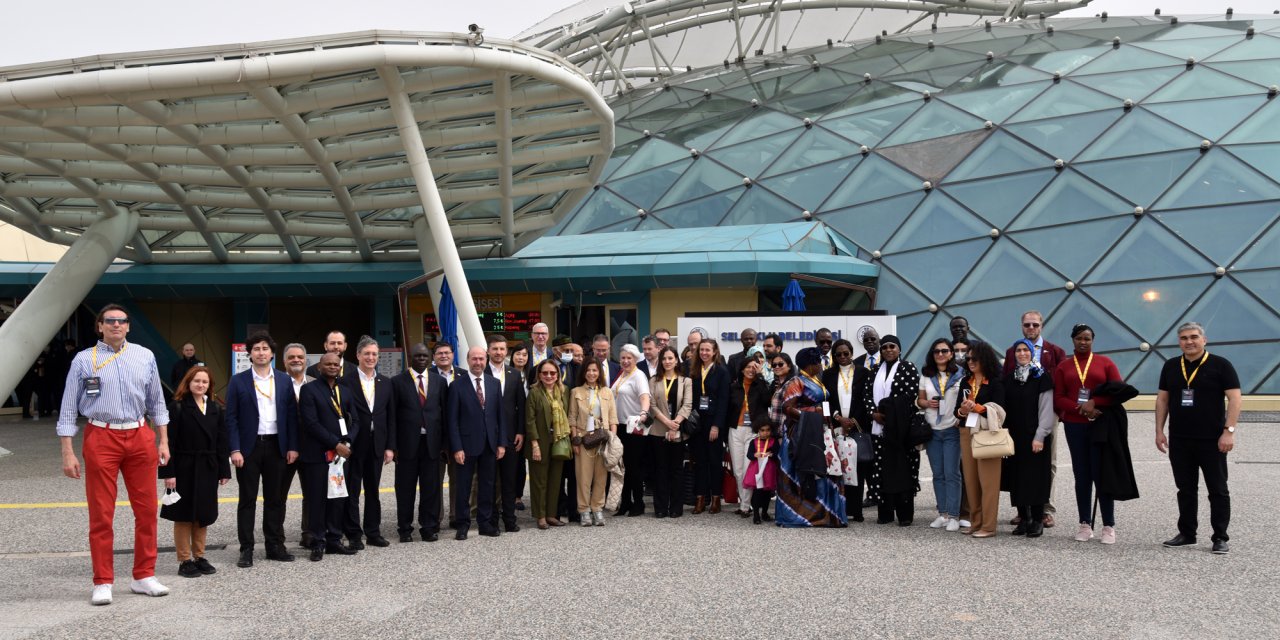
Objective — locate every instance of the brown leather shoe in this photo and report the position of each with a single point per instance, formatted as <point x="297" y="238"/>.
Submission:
<point x="700" y="505"/>
<point x="715" y="504"/>
<point x="1048" y="520"/>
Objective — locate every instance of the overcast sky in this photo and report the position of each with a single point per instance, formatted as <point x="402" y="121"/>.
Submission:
<point x="49" y="30"/>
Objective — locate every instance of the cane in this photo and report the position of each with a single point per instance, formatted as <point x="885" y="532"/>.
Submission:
<point x="1094" y="518"/>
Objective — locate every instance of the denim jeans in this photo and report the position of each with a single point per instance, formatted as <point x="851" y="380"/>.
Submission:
<point x="944" y="459"/>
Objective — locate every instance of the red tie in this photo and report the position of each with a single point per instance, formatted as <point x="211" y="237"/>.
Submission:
<point x="422" y="393"/>
<point x="479" y="392"/>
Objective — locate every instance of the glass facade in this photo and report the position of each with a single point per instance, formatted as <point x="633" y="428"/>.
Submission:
<point x="1168" y="136"/>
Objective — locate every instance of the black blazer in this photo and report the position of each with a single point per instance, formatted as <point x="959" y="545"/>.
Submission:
<point x="568" y="375"/>
<point x="615" y="370"/>
<point x="411" y="417"/>
<point x="470" y="425"/>
<point x="447" y="379"/>
<point x="242" y="412"/>
<point x="717" y="383"/>
<point x="319" y="433"/>
<point x="348" y="374"/>
<point x="734" y="362"/>
<point x="199" y="450"/>
<point x="758" y="399"/>
<point x="858" y="405"/>
<point x="513" y="395"/>
<point x="377" y="418"/>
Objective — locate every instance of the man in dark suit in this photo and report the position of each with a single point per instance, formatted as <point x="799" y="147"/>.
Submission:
<point x="858" y="407"/>
<point x="262" y="429"/>
<point x="476" y="439"/>
<point x="600" y="351"/>
<point x="748" y="338"/>
<point x="419" y="399"/>
<point x="336" y="342"/>
<point x="443" y="358"/>
<point x="513" y="429"/>
<point x="325" y="408"/>
<point x="374" y="447"/>
<point x="1048" y="355"/>
<point x="649" y="365"/>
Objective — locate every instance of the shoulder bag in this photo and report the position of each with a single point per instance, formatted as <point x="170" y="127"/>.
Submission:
<point x="996" y="443"/>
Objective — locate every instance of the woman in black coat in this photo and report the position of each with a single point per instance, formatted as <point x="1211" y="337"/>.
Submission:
<point x="749" y="399"/>
<point x="199" y="449"/>
<point x="889" y="394"/>
<point x="1029" y="417"/>
<point x="711" y="401"/>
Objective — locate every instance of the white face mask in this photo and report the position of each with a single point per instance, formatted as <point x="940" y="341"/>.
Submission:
<point x="566" y="357"/>
<point x="961" y="357"/>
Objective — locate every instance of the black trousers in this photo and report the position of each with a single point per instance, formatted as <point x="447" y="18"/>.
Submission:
<point x="510" y="483"/>
<point x="568" y="500"/>
<point x="760" y="499"/>
<point x="418" y="478"/>
<point x="1031" y="513"/>
<point x="286" y="483"/>
<point x="708" y="462"/>
<point x="264" y="464"/>
<point x="903" y="504"/>
<point x="324" y="522"/>
<point x="668" y="476"/>
<point x="637" y="461"/>
<point x="365" y="472"/>
<point x="483" y="468"/>
<point x="1189" y="458"/>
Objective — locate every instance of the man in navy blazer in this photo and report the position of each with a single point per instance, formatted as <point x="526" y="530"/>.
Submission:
<point x="477" y="440"/>
<point x="326" y="409"/>
<point x="513" y="397"/>
<point x="262" y="429"/>
<point x="600" y="351"/>
<point x="419" y="414"/>
<point x="374" y="447"/>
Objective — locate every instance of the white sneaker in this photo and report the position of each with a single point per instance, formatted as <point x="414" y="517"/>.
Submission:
<point x="1108" y="535"/>
<point x="965" y="524"/>
<point x="953" y="525"/>
<point x="149" y="587"/>
<point x="585" y="516"/>
<point x="1084" y="533"/>
<point x="938" y="523"/>
<point x="101" y="595"/>
<point x="599" y="518"/>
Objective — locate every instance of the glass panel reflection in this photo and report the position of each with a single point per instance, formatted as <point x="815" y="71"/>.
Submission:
<point x="1150" y="307"/>
<point x="871" y="127"/>
<point x="1148" y="251"/>
<point x="1008" y="269"/>
<point x="704" y="212"/>
<point x="808" y="188"/>
<point x="1142" y="179"/>
<point x="1065" y="99"/>
<point x="1070" y="198"/>
<point x="750" y="158"/>
<point x="1203" y="82"/>
<point x="874" y="178"/>
<point x="998" y="200"/>
<point x="995" y="104"/>
<point x="1074" y="248"/>
<point x="1137" y="133"/>
<point x="704" y="177"/>
<point x="870" y="225"/>
<point x="1001" y="153"/>
<point x="644" y="189"/>
<point x="1219" y="178"/>
<point x="1065" y="137"/>
<point x="937" y="220"/>
<point x="1220" y="232"/>
<point x="935" y="120"/>
<point x="923" y="268"/>
<point x="1109" y="334"/>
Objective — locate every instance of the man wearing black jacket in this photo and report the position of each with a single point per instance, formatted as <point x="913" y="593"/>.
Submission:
<point x="513" y="418"/>
<point x="336" y="342"/>
<point x="418" y="398"/>
<point x="325" y="409"/>
<point x="373" y="448"/>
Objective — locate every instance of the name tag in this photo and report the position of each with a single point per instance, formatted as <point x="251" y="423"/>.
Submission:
<point x="1083" y="396"/>
<point x="92" y="387"/>
<point x="971" y="420"/>
<point x="591" y="423"/>
<point x="342" y="426"/>
<point x="1188" y="397"/>
<point x="746" y="420"/>
<point x="826" y="409"/>
<point x="704" y="403"/>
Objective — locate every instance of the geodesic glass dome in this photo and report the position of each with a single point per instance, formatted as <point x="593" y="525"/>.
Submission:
<point x="937" y="154"/>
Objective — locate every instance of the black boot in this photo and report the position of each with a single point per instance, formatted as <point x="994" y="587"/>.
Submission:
<point x="755" y="515"/>
<point x="1036" y="529"/>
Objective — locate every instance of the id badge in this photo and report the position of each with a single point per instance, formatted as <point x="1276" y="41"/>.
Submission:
<point x="971" y="420"/>
<point x="1083" y="396"/>
<point x="826" y="409"/>
<point x="1188" y="397"/>
<point x="342" y="426"/>
<point x="746" y="420"/>
<point x="704" y="403"/>
<point x="92" y="387"/>
<point x="591" y="423"/>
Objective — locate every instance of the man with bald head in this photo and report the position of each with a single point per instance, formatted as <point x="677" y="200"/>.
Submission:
<point x="476" y="439"/>
<point x="418" y="397"/>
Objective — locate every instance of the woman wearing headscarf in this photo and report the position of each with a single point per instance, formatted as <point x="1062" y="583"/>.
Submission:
<point x="1074" y="381"/>
<point x="939" y="395"/>
<point x="748" y="409"/>
<point x="1029" y="417"/>
<point x="807" y="496"/>
<point x="890" y="391"/>
<point x="981" y="386"/>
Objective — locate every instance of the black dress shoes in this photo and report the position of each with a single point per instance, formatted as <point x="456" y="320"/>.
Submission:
<point x="307" y="541"/>
<point x="246" y="559"/>
<point x="1179" y="541"/>
<point x="379" y="541"/>
<point x="1035" y="529"/>
<point x="279" y="555"/>
<point x="430" y="537"/>
<point x="461" y="535"/>
<point x="491" y="533"/>
<point x="868" y="503"/>
<point x="317" y="554"/>
<point x="406" y="537"/>
<point x="1221" y="547"/>
<point x="357" y="544"/>
<point x="511" y="528"/>
<point x="1021" y="529"/>
<point x="340" y="549"/>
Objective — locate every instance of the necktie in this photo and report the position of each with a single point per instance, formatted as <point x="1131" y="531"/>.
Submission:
<point x="422" y="393"/>
<point x="871" y="361"/>
<point x="826" y="362"/>
<point x="479" y="392"/>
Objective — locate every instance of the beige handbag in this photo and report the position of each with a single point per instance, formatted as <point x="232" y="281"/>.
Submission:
<point x="991" y="444"/>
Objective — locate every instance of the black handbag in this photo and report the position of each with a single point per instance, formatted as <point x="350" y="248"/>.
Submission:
<point x="863" y="439"/>
<point x="690" y="428"/>
<point x="920" y="432"/>
<point x="595" y="438"/>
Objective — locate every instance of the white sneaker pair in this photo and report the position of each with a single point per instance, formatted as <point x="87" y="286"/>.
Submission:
<point x="965" y="524"/>
<point x="953" y="525"/>
<point x="585" y="516"/>
<point x="599" y="518"/>
<point x="938" y="523"/>
<point x="147" y="586"/>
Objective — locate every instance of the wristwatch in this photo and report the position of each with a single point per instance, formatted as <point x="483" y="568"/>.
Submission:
<point x="1231" y="429"/>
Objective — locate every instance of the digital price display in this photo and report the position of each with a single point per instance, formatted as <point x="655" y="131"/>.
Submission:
<point x="506" y="322"/>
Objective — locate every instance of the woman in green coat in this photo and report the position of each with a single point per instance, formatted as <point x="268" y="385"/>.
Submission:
<point x="546" y="422"/>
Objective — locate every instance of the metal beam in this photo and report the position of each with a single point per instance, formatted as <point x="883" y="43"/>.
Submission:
<point x="502" y="118"/>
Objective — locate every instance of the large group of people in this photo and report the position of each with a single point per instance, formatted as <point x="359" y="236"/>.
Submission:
<point x="808" y="442"/>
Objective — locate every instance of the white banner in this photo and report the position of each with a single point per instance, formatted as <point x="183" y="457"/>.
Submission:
<point x="796" y="331"/>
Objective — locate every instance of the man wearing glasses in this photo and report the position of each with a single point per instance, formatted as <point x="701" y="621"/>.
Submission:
<point x="1047" y="355"/>
<point x="115" y="384"/>
<point x="541" y="334"/>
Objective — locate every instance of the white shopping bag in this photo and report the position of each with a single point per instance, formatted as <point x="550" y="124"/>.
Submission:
<point x="848" y="459"/>
<point x="337" y="479"/>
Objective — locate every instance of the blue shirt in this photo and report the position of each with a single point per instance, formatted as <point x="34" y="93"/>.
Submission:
<point x="130" y="388"/>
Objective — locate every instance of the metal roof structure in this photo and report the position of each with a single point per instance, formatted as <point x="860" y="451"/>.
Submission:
<point x="291" y="150"/>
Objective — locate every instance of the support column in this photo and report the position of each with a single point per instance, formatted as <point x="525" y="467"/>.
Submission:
<point x="502" y="117"/>
<point x="36" y="321"/>
<point x="433" y="209"/>
<point x="431" y="264"/>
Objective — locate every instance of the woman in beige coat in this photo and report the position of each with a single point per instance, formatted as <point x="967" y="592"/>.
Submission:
<point x="672" y="400"/>
<point x="591" y="407"/>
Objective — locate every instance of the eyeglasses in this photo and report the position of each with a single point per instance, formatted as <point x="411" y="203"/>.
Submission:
<point x="541" y="333"/>
<point x="548" y="373"/>
<point x="116" y="321"/>
<point x="779" y="364"/>
<point x="1030" y="325"/>
<point x="941" y="351"/>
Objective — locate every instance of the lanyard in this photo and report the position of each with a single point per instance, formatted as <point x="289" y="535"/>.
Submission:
<point x="1183" y="362"/>
<point x="668" y="382"/>
<point x="97" y="366"/>
<point x="335" y="398"/>
<point x="746" y="401"/>
<point x="617" y="384"/>
<point x="705" y="371"/>
<point x="762" y="445"/>
<point x="846" y="382"/>
<point x="368" y="389"/>
<point x="271" y="387"/>
<point x="817" y="382"/>
<point x="1089" y="362"/>
<point x="974" y="383"/>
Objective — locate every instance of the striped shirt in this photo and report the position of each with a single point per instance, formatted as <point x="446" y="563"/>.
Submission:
<point x="129" y="389"/>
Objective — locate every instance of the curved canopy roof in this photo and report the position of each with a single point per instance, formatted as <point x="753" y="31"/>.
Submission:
<point x="289" y="150"/>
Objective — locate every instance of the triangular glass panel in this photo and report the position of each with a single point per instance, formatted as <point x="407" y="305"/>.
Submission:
<point x="656" y="102"/>
<point x="652" y="153"/>
<point x="1197" y="48"/>
<point x="1127" y="59"/>
<point x="1262" y="72"/>
<point x="1265" y="252"/>
<point x="1218" y="178"/>
<point x="937" y="270"/>
<point x="1146" y="376"/>
<point x="699" y="133"/>
<point x="1202" y="82"/>
<point x="1148" y="251"/>
<point x="870" y="225"/>
<point x="1089" y="240"/>
<point x="816" y="102"/>
<point x="1001" y="73"/>
<point x="704" y="212"/>
<point x="1139" y="132"/>
<point x="1000" y="154"/>
<point x="758" y="125"/>
<point x="1253" y="361"/>
<point x="871" y="127"/>
<point x="621" y="153"/>
<point x="761" y="206"/>
<point x="934" y="158"/>
<point x="998" y="200"/>
<point x="1070" y="198"/>
<point x="991" y="319"/>
<point x="814" y="146"/>
<point x="1264" y="284"/>
<point x="617" y="227"/>
<point x="1190" y="30"/>
<point x="995" y="104"/>
<point x="1126" y="362"/>
<point x="1150" y="306"/>
<point x="762" y="90"/>
<point x="1263" y="157"/>
<point x="873" y="179"/>
<point x="1220" y="232"/>
<point x="942" y="77"/>
<point x="750" y="158"/>
<point x="1209" y="119"/>
<point x="873" y="96"/>
<point x="876" y="65"/>
<point x="1140" y="179"/>
<point x="1064" y="99"/>
<point x="1008" y="269"/>
<point x="1262" y="126"/>
<point x="938" y="220"/>
<point x="1065" y="137"/>
<point x="1134" y="85"/>
<point x="808" y="188"/>
<point x="1109" y="334"/>
<point x="652" y="223"/>
<point x="703" y="178"/>
<point x="1271" y="386"/>
<point x="601" y="209"/>
<point x="1061" y="61"/>
<point x="643" y="189"/>
<point x="894" y="295"/>
<point x="1059" y="41"/>
<point x="916" y="330"/>
<point x="1228" y="312"/>
<point x="935" y="120"/>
